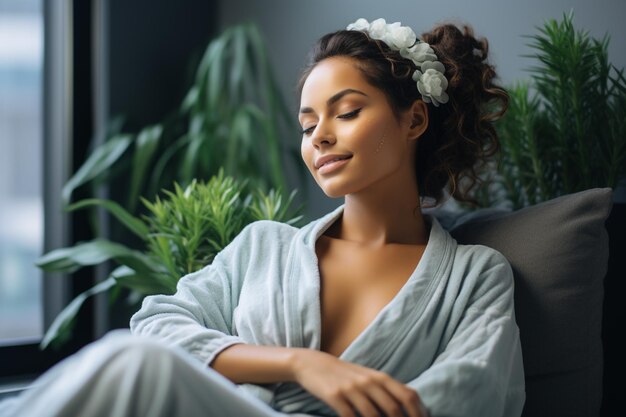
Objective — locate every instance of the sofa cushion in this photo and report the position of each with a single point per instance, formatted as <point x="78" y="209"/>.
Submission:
<point x="559" y="252"/>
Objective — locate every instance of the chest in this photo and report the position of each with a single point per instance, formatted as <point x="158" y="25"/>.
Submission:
<point x="356" y="284"/>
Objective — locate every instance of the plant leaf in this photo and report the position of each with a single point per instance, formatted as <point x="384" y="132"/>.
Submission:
<point x="98" y="162"/>
<point x="145" y="146"/>
<point x="164" y="161"/>
<point x="191" y="99"/>
<point x="132" y="223"/>
<point x="215" y="73"/>
<point x="143" y="284"/>
<point x="93" y="253"/>
<point x="63" y="323"/>
<point x="190" y="159"/>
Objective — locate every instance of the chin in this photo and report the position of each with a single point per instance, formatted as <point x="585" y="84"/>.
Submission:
<point x="330" y="190"/>
<point x="336" y="190"/>
<point x="341" y="184"/>
<point x="333" y="193"/>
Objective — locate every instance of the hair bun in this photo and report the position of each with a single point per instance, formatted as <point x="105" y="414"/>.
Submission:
<point x="463" y="138"/>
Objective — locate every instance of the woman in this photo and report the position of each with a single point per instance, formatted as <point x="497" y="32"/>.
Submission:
<point x="372" y="309"/>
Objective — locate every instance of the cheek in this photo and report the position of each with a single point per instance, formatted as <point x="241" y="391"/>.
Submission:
<point x="370" y="138"/>
<point x="306" y="152"/>
<point x="371" y="126"/>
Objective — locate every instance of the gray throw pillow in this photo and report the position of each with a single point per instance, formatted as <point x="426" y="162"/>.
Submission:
<point x="559" y="253"/>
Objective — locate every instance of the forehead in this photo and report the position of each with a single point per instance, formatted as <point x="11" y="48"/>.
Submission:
<point x="332" y="75"/>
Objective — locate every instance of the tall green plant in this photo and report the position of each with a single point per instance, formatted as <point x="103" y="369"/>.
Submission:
<point x="565" y="130"/>
<point x="229" y="123"/>
<point x="232" y="117"/>
<point x="181" y="234"/>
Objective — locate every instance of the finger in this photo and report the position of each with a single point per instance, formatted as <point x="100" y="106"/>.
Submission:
<point x="341" y="406"/>
<point x="408" y="398"/>
<point x="362" y="403"/>
<point x="386" y="401"/>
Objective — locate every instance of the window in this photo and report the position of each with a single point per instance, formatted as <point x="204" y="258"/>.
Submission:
<point x="54" y="24"/>
<point x="21" y="208"/>
<point x="72" y="86"/>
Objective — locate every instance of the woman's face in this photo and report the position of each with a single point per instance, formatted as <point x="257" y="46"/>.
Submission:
<point x="351" y="138"/>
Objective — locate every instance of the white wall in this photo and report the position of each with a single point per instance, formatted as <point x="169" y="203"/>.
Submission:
<point x="291" y="27"/>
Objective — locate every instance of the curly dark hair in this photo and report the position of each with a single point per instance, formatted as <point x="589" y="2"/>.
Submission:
<point x="460" y="138"/>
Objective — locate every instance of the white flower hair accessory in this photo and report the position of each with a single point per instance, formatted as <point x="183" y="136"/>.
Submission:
<point x="430" y="79"/>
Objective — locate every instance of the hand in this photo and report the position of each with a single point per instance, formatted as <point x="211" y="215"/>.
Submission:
<point x="347" y="387"/>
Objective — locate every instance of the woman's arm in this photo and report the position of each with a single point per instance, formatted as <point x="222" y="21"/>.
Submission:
<point x="199" y="316"/>
<point x="344" y="386"/>
<point x="242" y="363"/>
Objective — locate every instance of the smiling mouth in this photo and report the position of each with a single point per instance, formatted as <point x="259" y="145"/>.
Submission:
<point x="332" y="161"/>
<point x="332" y="165"/>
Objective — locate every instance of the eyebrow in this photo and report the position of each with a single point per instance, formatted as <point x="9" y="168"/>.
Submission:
<point x="335" y="98"/>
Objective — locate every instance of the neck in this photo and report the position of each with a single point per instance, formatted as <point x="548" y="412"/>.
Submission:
<point x="383" y="216"/>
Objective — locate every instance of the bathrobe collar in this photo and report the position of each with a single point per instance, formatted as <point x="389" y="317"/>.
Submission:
<point x="373" y="345"/>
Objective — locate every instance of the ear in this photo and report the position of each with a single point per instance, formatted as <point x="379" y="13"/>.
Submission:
<point x="418" y="120"/>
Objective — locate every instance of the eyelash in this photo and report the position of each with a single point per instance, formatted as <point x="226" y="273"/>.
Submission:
<point x="345" y="116"/>
<point x="350" y="115"/>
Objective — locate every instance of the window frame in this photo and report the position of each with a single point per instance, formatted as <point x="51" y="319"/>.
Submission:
<point x="65" y="93"/>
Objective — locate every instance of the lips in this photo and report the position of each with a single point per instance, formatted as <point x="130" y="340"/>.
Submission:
<point x="327" y="159"/>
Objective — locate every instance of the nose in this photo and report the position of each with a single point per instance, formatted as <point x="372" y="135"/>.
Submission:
<point x="323" y="136"/>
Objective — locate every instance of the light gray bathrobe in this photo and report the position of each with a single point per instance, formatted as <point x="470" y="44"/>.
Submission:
<point x="449" y="333"/>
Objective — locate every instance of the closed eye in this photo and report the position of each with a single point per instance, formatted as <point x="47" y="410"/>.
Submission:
<point x="351" y="114"/>
<point x="308" y="130"/>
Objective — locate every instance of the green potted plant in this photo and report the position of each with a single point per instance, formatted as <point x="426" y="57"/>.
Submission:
<point x="227" y="128"/>
<point x="564" y="130"/>
<point x="181" y="234"/>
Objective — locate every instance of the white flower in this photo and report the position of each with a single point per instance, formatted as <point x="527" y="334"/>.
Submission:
<point x="400" y="37"/>
<point x="432" y="84"/>
<point x="435" y="65"/>
<point x="361" y="25"/>
<point x="385" y="36"/>
<point x="418" y="53"/>
<point x="378" y="29"/>
<point x="430" y="79"/>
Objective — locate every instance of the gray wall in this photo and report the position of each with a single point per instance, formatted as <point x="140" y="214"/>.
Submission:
<point x="291" y="27"/>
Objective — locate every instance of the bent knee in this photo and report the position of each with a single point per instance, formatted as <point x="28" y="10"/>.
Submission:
<point x="140" y="347"/>
<point x="122" y="346"/>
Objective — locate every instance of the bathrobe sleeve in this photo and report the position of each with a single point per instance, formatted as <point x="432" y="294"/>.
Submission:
<point x="199" y="316"/>
<point x="478" y="371"/>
